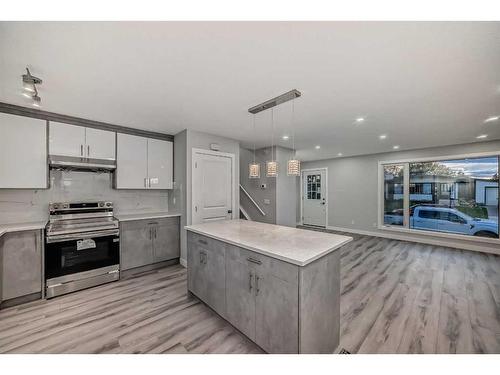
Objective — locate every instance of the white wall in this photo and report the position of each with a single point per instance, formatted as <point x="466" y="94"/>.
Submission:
<point x="353" y="192"/>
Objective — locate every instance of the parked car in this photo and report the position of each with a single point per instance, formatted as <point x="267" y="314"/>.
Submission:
<point x="445" y="219"/>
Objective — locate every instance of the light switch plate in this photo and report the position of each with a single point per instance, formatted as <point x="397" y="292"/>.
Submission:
<point x="267" y="201"/>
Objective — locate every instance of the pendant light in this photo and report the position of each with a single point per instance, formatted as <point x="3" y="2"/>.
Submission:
<point x="293" y="165"/>
<point x="254" y="168"/>
<point x="272" y="166"/>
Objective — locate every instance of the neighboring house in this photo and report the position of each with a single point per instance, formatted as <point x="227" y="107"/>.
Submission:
<point x="448" y="189"/>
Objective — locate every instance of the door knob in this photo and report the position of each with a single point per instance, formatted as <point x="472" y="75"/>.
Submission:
<point x="229" y="211"/>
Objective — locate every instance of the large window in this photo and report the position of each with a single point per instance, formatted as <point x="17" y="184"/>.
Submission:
<point x="458" y="196"/>
<point x="394" y="194"/>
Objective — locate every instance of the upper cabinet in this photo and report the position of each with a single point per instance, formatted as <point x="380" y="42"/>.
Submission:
<point x="79" y="141"/>
<point x="160" y="164"/>
<point x="131" y="162"/>
<point x="23" y="152"/>
<point x="143" y="163"/>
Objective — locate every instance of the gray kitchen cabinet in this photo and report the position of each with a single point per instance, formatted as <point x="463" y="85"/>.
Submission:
<point x="206" y="277"/>
<point x="240" y="300"/>
<point x="282" y="307"/>
<point x="166" y="239"/>
<point x="23" y="152"/>
<point x="22" y="264"/>
<point x="196" y="272"/>
<point x="144" y="242"/>
<point x="136" y="245"/>
<point x="276" y="314"/>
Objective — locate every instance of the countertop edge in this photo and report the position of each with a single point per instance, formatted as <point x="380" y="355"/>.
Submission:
<point x="144" y="216"/>
<point x="270" y="254"/>
<point x="19" y="227"/>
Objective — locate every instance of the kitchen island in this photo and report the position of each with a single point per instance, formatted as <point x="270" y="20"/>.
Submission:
<point x="279" y="286"/>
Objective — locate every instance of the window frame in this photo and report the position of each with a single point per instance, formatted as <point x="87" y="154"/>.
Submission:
<point x="405" y="228"/>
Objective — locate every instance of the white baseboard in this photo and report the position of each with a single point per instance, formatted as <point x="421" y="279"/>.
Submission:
<point x="183" y="262"/>
<point x="424" y="240"/>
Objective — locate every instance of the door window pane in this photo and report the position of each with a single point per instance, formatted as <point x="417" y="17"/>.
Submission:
<point x="394" y="195"/>
<point x="455" y="196"/>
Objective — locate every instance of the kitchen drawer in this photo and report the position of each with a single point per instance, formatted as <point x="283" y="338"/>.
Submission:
<point x="285" y="271"/>
<point x="207" y="243"/>
<point x="168" y="220"/>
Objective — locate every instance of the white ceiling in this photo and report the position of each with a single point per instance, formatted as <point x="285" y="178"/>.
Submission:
<point x="422" y="84"/>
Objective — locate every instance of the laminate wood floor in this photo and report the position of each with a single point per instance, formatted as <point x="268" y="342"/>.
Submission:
<point x="396" y="297"/>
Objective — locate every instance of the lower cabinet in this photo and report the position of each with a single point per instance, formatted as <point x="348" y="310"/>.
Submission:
<point x="21" y="264"/>
<point x="261" y="293"/>
<point x="145" y="242"/>
<point x="206" y="274"/>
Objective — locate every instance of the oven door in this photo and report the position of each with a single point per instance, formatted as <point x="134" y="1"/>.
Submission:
<point x="71" y="254"/>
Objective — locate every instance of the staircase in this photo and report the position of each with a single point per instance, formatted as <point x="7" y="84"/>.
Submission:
<point x="250" y="204"/>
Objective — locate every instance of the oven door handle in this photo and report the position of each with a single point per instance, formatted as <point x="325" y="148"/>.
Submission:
<point x="80" y="236"/>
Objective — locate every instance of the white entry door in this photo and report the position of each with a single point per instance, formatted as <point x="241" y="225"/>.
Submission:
<point x="314" y="197"/>
<point x="212" y="186"/>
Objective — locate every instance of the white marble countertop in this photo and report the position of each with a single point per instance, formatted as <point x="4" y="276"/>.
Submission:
<point x="17" y="227"/>
<point x="292" y="245"/>
<point x="144" y="215"/>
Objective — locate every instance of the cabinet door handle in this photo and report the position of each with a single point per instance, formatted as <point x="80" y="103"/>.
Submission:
<point x="155" y="232"/>
<point x="81" y="150"/>
<point x="150" y="233"/>
<point x="250" y="286"/>
<point x="253" y="260"/>
<point x="146" y="183"/>
<point x="88" y="150"/>
<point x="257" y="290"/>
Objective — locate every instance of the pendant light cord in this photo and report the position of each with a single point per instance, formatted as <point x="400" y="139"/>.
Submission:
<point x="293" y="127"/>
<point x="272" y="134"/>
<point x="254" y="135"/>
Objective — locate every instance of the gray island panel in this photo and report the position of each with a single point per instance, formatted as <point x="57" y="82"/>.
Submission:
<point x="285" y="299"/>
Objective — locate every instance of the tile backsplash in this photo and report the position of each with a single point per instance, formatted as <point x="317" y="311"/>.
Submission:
<point x="18" y="205"/>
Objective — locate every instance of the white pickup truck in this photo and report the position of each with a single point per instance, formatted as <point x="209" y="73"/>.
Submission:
<point x="445" y="219"/>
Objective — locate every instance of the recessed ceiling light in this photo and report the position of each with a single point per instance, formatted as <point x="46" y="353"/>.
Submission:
<point x="285" y="137"/>
<point x="396" y="147"/>
<point x="491" y="119"/>
<point x="382" y="136"/>
<point x="317" y="147"/>
<point x="360" y="119"/>
<point x="339" y="154"/>
<point x="482" y="136"/>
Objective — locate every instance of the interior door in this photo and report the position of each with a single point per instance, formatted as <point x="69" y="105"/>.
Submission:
<point x="100" y="144"/>
<point x="160" y="164"/>
<point x="212" y="187"/>
<point x="66" y="140"/>
<point x="314" y="197"/>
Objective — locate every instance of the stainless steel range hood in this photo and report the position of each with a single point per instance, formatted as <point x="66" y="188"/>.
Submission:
<point x="81" y="164"/>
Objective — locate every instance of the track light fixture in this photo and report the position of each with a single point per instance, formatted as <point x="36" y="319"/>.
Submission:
<point x="29" y="85"/>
